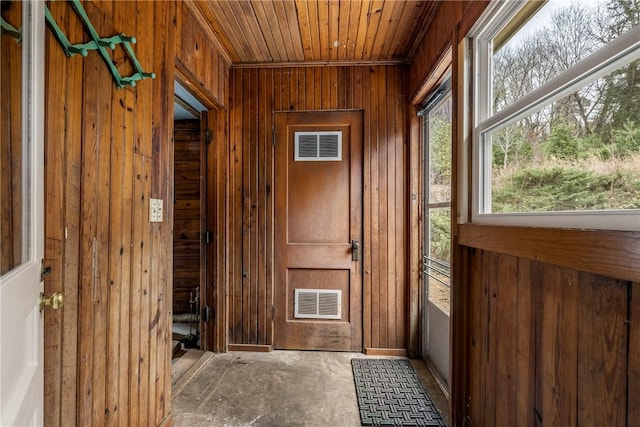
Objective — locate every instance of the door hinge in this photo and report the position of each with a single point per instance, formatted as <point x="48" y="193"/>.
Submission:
<point x="207" y="236"/>
<point x="273" y="312"/>
<point x="207" y="136"/>
<point x="206" y="313"/>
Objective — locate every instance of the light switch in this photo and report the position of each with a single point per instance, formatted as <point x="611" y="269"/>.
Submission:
<point x="155" y="210"/>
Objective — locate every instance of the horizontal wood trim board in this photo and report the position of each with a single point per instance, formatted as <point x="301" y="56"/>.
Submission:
<point x="609" y="253"/>
<point x="251" y="347"/>
<point x="204" y="95"/>
<point x="434" y="78"/>
<point x="398" y="352"/>
<point x="304" y="64"/>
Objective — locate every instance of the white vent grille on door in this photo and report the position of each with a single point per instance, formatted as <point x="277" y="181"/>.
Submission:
<point x="318" y="304"/>
<point x="318" y="146"/>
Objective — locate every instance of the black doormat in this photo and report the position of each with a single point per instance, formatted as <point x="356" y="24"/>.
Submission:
<point x="390" y="394"/>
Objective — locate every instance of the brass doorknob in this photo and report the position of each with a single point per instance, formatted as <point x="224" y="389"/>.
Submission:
<point x="54" y="301"/>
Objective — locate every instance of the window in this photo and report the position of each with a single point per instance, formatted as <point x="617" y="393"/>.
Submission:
<point x="557" y="114"/>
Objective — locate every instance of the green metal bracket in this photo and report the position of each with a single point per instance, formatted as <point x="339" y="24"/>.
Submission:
<point x="10" y="30"/>
<point x="100" y="44"/>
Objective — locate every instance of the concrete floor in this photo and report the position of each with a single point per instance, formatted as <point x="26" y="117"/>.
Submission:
<point x="277" y="389"/>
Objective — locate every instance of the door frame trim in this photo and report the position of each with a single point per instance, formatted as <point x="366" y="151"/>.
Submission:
<point x="212" y="339"/>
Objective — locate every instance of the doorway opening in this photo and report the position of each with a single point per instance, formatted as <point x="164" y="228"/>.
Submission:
<point x="189" y="220"/>
<point x="436" y="117"/>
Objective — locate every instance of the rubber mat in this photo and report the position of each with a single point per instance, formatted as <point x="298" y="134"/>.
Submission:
<point x="390" y="394"/>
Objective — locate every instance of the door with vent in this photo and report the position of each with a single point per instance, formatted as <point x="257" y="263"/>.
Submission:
<point x="318" y="231"/>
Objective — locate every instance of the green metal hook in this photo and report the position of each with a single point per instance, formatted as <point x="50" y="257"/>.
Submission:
<point x="10" y="30"/>
<point x="101" y="44"/>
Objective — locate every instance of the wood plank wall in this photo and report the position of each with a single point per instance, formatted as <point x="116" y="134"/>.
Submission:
<point x="549" y="345"/>
<point x="551" y="326"/>
<point x="453" y="20"/>
<point x="107" y="150"/>
<point x="187" y="225"/>
<point x="256" y="94"/>
<point x="197" y="57"/>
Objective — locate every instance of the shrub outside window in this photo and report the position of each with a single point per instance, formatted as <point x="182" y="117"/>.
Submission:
<point x="557" y="114"/>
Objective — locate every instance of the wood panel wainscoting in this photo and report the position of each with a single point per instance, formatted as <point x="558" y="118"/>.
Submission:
<point x="552" y="332"/>
<point x="256" y="95"/>
<point x="107" y="151"/>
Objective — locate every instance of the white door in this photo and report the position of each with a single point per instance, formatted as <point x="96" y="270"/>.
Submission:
<point x="22" y="226"/>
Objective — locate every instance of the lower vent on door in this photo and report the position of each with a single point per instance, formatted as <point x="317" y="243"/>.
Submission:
<point x="318" y="304"/>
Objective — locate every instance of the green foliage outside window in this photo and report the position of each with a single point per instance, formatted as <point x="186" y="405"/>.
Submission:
<point x="566" y="188"/>
<point x="440" y="238"/>
<point x="583" y="151"/>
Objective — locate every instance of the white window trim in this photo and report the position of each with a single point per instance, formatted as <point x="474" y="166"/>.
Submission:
<point x="602" y="62"/>
<point x="605" y="60"/>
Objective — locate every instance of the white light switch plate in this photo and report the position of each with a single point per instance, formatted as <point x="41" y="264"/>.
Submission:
<point x="155" y="210"/>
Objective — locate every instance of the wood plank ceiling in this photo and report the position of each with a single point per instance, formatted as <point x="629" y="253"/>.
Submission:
<point x="277" y="32"/>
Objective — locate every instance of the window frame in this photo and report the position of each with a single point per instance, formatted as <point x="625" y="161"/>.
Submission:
<point x="608" y="58"/>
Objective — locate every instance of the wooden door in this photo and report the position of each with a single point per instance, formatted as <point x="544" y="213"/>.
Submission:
<point x="188" y="251"/>
<point x="22" y="218"/>
<point x="194" y="236"/>
<point x="318" y="231"/>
